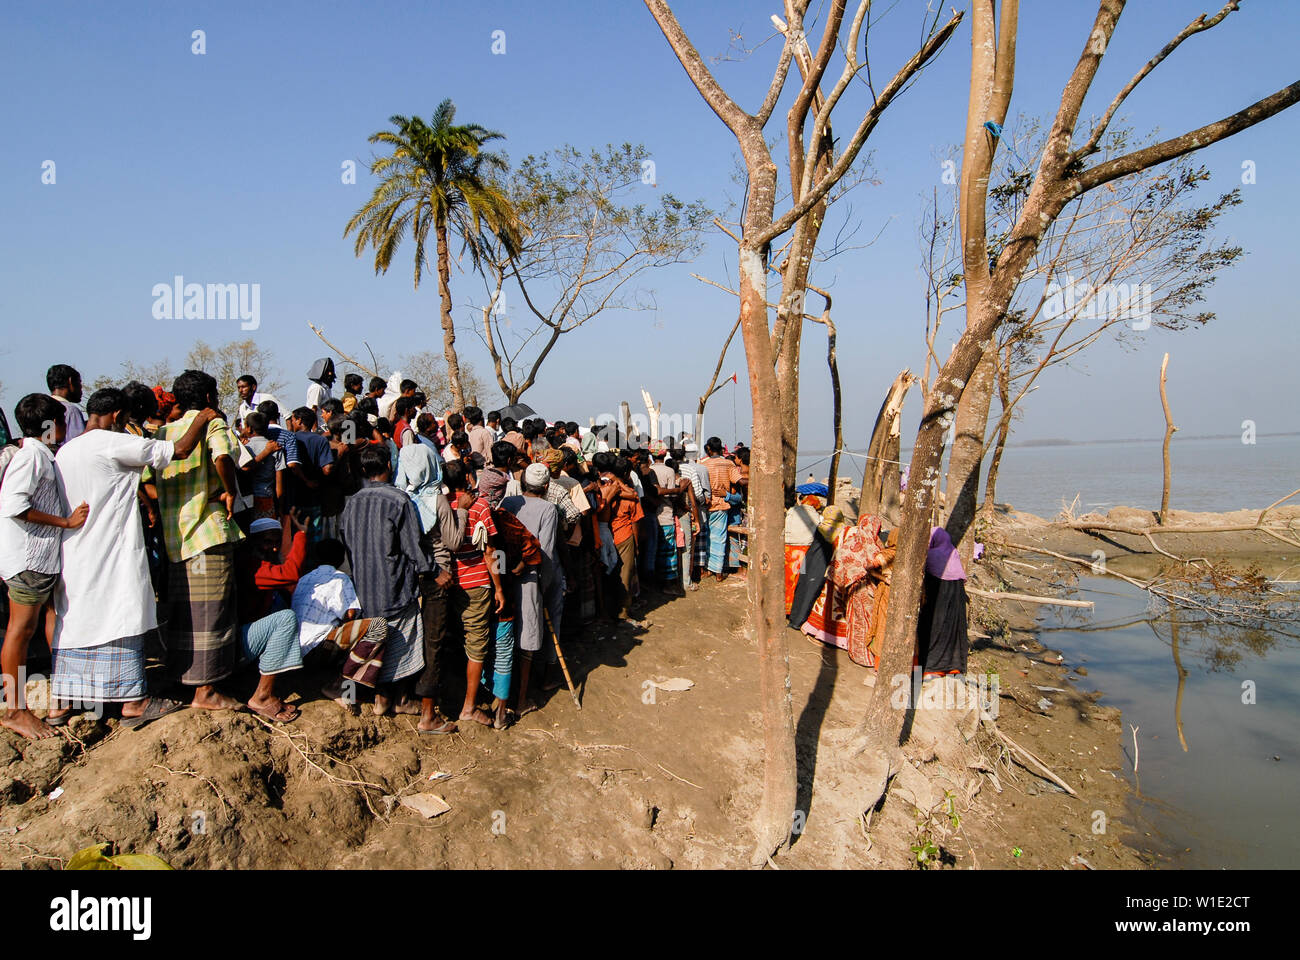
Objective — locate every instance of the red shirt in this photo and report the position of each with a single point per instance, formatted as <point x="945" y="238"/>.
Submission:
<point x="260" y="579"/>
<point x="471" y="568"/>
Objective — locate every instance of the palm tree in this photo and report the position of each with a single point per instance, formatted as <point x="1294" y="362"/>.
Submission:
<point x="438" y="176"/>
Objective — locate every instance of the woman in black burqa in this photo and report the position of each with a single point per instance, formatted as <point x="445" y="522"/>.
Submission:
<point x="942" y="642"/>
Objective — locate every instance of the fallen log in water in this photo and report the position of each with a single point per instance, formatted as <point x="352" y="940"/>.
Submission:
<point x="1028" y="598"/>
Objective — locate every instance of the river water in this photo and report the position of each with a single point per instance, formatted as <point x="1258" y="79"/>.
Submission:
<point x="1228" y="797"/>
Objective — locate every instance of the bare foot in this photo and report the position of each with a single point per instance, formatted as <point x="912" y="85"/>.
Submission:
<point x="28" y="724"/>
<point x="478" y="716"/>
<point x="211" y="700"/>
<point x="383" y="706"/>
<point x="525" y="708"/>
<point x="333" y="689"/>
<point x="408" y="706"/>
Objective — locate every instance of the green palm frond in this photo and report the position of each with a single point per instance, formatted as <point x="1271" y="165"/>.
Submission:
<point x="437" y="174"/>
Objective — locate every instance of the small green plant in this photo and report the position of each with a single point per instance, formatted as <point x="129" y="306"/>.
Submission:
<point x="950" y="808"/>
<point x="926" y="853"/>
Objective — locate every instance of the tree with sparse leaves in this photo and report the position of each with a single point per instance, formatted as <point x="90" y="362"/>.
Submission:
<point x="585" y="236"/>
<point x="230" y="361"/>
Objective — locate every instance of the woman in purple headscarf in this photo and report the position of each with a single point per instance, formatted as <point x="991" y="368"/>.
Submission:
<point x="941" y="634"/>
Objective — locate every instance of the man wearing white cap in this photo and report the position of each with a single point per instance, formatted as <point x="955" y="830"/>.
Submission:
<point x="542" y="589"/>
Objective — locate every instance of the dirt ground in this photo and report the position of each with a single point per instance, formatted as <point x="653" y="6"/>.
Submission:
<point x="640" y="777"/>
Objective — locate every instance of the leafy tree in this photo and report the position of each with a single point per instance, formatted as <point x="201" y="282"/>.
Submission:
<point x="586" y="237"/>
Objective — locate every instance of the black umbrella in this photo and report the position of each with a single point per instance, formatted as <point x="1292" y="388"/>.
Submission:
<point x="518" y="411"/>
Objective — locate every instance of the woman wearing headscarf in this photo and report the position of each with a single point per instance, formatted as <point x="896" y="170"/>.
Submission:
<point x="442" y="532"/>
<point x="942" y="642"/>
<point x="855" y="572"/>
<point x="800" y="529"/>
<point x="418" y="476"/>
<point x="319" y="380"/>
<point x="817" y="606"/>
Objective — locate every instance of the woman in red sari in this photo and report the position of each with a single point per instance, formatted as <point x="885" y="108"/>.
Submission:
<point x="856" y="585"/>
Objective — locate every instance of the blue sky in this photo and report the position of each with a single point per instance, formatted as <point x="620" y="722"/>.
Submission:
<point x="225" y="168"/>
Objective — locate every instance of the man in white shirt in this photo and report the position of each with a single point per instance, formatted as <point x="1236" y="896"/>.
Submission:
<point x="324" y="598"/>
<point x="105" y="601"/>
<point x="249" y="397"/>
<point x="326" y="605"/>
<point x="64" y="384"/>
<point x="33" y="516"/>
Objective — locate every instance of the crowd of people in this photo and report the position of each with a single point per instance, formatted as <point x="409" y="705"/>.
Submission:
<point x="381" y="543"/>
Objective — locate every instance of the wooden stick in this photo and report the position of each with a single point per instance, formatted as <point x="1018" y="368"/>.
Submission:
<point x="1017" y="748"/>
<point x="1274" y="504"/>
<point x="555" y="638"/>
<point x="1055" y="601"/>
<point x="355" y="363"/>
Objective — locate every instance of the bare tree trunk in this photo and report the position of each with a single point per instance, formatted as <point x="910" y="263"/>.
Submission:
<point x="880" y="733"/>
<point x="1004" y="431"/>
<point x="713" y="384"/>
<point x="787" y="371"/>
<point x="448" y="327"/>
<point x="836" y="395"/>
<point x="880" y="480"/>
<point x="1169" y="434"/>
<point x="652" y="410"/>
<point x="962" y="487"/>
<point x="766" y="549"/>
<point x="836" y="403"/>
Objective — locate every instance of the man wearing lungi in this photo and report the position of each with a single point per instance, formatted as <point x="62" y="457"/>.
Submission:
<point x="196" y="500"/>
<point x="105" y="601"/>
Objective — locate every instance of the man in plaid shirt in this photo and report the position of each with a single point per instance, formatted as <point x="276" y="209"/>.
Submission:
<point x="196" y="500"/>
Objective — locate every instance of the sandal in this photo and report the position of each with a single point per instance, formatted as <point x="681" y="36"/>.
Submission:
<point x="61" y="720"/>
<point x="447" y="726"/>
<point x="279" y="715"/>
<point x="156" y="708"/>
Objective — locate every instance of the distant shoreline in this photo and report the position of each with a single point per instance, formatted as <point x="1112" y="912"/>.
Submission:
<point x="1062" y="442"/>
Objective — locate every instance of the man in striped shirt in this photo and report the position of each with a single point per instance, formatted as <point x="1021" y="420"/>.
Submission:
<point x="478" y="584"/>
